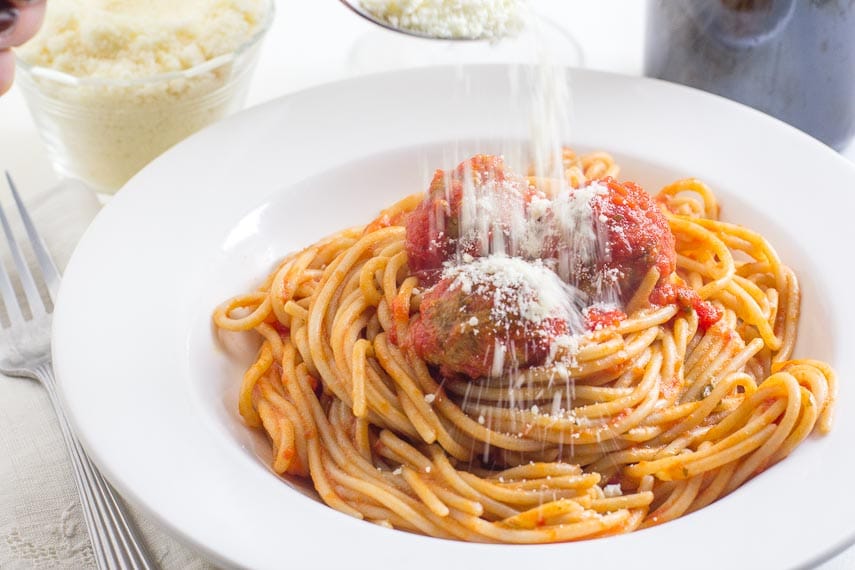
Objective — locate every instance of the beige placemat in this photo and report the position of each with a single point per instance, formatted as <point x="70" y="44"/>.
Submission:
<point x="41" y="523"/>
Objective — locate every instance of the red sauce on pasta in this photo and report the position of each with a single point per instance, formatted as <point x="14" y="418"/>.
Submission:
<point x="687" y="299"/>
<point x="597" y="318"/>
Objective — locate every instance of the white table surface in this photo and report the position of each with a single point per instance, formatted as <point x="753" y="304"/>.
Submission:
<point x="315" y="41"/>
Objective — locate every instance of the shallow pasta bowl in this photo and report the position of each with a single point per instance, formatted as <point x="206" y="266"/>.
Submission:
<point x="153" y="392"/>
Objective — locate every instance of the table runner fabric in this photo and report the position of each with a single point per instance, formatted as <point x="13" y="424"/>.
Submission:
<point x="41" y="522"/>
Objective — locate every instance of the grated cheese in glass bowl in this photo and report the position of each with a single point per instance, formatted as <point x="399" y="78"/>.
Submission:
<point x="112" y="84"/>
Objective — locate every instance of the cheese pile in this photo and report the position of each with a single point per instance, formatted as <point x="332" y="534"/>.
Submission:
<point x="128" y="39"/>
<point x="471" y="19"/>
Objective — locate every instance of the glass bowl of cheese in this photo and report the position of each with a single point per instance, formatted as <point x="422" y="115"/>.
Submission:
<point x="112" y="84"/>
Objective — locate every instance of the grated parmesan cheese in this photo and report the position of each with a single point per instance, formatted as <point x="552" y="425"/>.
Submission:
<point x="129" y="39"/>
<point x="526" y="289"/>
<point x="469" y="19"/>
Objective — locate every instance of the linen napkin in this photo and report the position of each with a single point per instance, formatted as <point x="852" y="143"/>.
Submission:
<point x="41" y="522"/>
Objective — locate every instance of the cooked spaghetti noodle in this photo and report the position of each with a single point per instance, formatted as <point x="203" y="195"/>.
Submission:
<point x="657" y="413"/>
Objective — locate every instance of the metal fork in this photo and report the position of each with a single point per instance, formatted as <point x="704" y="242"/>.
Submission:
<point x="25" y="352"/>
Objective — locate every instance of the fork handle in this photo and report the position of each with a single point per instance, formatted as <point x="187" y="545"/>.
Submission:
<point x="115" y="541"/>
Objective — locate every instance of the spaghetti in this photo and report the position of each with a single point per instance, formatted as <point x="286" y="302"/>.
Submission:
<point x="673" y="396"/>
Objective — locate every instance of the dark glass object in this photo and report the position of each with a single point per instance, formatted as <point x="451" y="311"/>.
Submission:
<point x="794" y="59"/>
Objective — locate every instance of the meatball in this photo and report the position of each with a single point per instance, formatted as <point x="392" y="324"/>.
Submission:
<point x="493" y="315"/>
<point x="462" y="212"/>
<point x="638" y="235"/>
<point x="606" y="236"/>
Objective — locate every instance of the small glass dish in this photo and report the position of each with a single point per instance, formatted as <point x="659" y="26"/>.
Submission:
<point x="103" y="131"/>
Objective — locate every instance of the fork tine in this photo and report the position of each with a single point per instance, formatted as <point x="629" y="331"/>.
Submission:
<point x="34" y="300"/>
<point x="10" y="300"/>
<point x="49" y="271"/>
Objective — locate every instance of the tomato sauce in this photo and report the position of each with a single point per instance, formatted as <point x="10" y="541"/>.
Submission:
<point x="687" y="299"/>
<point x="598" y="318"/>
